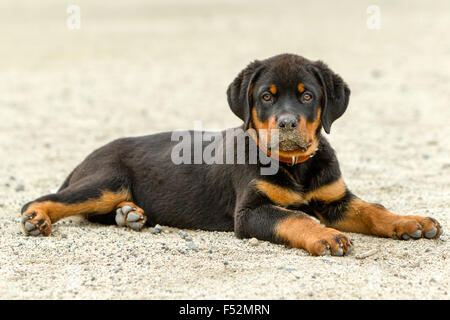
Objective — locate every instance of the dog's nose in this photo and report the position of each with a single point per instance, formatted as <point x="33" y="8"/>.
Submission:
<point x="287" y="122"/>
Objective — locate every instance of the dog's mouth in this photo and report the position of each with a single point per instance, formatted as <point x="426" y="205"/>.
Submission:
<point x="292" y="142"/>
<point x="291" y="146"/>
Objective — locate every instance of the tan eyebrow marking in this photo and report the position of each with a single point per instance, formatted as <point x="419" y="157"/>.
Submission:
<point x="273" y="89"/>
<point x="301" y="87"/>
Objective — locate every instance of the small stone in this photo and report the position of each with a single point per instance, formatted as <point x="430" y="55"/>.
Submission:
<point x="182" y="234"/>
<point x="209" y="251"/>
<point x="157" y="229"/>
<point x="427" y="250"/>
<point x="191" y="245"/>
<point x="20" y="188"/>
<point x="376" y="73"/>
<point x="253" y="242"/>
<point x="366" y="254"/>
<point x="225" y="262"/>
<point x="2" y="205"/>
<point x="64" y="236"/>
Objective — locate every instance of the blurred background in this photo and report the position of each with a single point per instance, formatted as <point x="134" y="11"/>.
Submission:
<point x="137" y="67"/>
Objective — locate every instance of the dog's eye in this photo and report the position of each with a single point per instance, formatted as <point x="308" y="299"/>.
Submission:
<point x="307" y="97"/>
<point x="267" y="97"/>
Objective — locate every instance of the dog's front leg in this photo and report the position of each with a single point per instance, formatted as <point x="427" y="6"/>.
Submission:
<point x="359" y="216"/>
<point x="293" y="228"/>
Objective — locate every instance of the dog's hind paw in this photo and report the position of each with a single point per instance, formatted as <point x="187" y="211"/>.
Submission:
<point x="130" y="215"/>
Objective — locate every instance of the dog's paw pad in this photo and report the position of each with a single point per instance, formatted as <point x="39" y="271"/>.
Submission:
<point x="430" y="234"/>
<point x="36" y="223"/>
<point x="120" y="219"/>
<point x="131" y="216"/>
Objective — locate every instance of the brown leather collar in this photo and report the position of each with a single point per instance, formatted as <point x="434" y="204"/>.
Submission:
<point x="288" y="160"/>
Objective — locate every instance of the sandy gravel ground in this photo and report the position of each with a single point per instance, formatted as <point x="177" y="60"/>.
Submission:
<point x="136" y="68"/>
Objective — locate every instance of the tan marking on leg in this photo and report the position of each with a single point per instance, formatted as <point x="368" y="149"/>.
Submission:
<point x="368" y="218"/>
<point x="328" y="193"/>
<point x="106" y="203"/>
<point x="300" y="231"/>
<point x="279" y="195"/>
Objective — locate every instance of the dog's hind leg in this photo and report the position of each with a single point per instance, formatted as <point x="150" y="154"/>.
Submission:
<point x="89" y="195"/>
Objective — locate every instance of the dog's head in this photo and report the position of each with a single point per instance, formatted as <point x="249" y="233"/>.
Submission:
<point x="292" y="94"/>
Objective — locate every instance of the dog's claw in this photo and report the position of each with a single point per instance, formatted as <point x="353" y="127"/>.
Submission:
<point x="417" y="234"/>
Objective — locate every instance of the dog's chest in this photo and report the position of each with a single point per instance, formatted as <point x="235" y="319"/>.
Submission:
<point x="294" y="194"/>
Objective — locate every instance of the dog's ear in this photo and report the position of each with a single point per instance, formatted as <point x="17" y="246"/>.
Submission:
<point x="336" y="94"/>
<point x="239" y="91"/>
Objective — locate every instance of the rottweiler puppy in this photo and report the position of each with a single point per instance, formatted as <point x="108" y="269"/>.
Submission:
<point x="133" y="182"/>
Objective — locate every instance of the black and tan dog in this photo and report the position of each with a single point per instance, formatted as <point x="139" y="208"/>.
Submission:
<point x="133" y="182"/>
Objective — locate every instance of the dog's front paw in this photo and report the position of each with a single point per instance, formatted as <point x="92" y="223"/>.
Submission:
<point x="36" y="223"/>
<point x="130" y="215"/>
<point x="329" y="241"/>
<point x="416" y="227"/>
